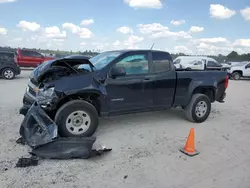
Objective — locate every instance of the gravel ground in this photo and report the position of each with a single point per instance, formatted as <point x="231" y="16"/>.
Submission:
<point x="145" y="148"/>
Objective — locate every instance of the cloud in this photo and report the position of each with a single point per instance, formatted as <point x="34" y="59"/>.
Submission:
<point x="81" y="32"/>
<point x="55" y="33"/>
<point x="87" y="22"/>
<point x="242" y="43"/>
<point x="152" y="28"/>
<point x="214" y="40"/>
<point x="182" y="49"/>
<point x="83" y="43"/>
<point x="156" y="30"/>
<point x="31" y="26"/>
<point x="177" y="22"/>
<point x="155" y="4"/>
<point x="7" y="1"/>
<point x="116" y="43"/>
<point x="3" y="31"/>
<point x="245" y="13"/>
<point x="221" y="12"/>
<point x="124" y="30"/>
<point x="133" y="41"/>
<point x="196" y="29"/>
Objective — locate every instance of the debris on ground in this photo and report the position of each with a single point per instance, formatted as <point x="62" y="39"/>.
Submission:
<point x="26" y="162"/>
<point x="20" y="141"/>
<point x="40" y="132"/>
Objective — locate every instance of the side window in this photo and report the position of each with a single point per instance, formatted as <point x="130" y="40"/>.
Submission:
<point x="25" y="53"/>
<point x="198" y="63"/>
<point x="134" y="64"/>
<point x="35" y="54"/>
<point x="211" y="64"/>
<point x="6" y="56"/>
<point x="161" y="61"/>
<point x="177" y="61"/>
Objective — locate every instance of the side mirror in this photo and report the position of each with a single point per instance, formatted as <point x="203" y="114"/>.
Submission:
<point x="117" y="71"/>
<point x="247" y="66"/>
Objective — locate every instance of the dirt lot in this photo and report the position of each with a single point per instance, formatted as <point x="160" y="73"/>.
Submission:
<point x="145" y="148"/>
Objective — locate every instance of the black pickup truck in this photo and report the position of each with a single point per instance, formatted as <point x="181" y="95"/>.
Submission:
<point x="76" y="91"/>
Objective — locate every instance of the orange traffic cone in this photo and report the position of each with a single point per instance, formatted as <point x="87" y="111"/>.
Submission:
<point x="189" y="147"/>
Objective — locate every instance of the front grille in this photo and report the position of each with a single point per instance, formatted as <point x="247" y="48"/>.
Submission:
<point x="32" y="92"/>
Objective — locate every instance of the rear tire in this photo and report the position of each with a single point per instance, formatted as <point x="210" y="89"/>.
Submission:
<point x="8" y="74"/>
<point x="236" y="75"/>
<point x="77" y="118"/>
<point x="198" y="109"/>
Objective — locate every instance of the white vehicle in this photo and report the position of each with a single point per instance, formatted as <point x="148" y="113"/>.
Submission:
<point x="240" y="70"/>
<point x="196" y="62"/>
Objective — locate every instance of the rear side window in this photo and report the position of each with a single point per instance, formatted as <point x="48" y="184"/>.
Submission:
<point x="161" y="62"/>
<point x="6" y="56"/>
<point x="30" y="53"/>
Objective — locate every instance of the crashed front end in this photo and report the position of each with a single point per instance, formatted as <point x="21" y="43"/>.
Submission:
<point x="40" y="133"/>
<point x="46" y="97"/>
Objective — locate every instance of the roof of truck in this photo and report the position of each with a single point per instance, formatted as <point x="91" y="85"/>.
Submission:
<point x="136" y="50"/>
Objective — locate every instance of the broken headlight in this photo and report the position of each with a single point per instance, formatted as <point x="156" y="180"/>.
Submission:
<point x="45" y="96"/>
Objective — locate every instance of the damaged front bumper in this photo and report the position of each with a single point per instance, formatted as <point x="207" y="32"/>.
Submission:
<point x="40" y="132"/>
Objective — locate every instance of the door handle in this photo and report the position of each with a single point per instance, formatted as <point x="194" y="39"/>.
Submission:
<point x="146" y="80"/>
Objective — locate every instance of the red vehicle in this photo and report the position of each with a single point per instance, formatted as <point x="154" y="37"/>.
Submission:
<point x="29" y="58"/>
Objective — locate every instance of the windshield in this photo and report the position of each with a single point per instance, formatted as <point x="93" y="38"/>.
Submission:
<point x="101" y="60"/>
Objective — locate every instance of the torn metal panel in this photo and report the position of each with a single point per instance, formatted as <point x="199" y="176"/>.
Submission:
<point x="66" y="148"/>
<point x="40" y="132"/>
<point x="37" y="127"/>
<point x="26" y="162"/>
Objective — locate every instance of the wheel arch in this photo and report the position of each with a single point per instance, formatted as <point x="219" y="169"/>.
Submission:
<point x="91" y="97"/>
<point x="208" y="91"/>
<point x="239" y="71"/>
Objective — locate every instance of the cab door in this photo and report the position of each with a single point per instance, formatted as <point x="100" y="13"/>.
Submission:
<point x="132" y="91"/>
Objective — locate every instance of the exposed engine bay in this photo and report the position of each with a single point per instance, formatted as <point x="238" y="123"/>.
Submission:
<point x="56" y="69"/>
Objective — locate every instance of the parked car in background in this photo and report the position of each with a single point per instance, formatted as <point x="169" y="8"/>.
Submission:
<point x="8" y="65"/>
<point x="29" y="58"/>
<point x="197" y="63"/>
<point x="237" y="71"/>
<point x="119" y="82"/>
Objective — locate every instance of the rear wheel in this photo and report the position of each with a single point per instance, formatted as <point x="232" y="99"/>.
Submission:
<point x="198" y="109"/>
<point x="236" y="75"/>
<point x="8" y="74"/>
<point x="77" y="118"/>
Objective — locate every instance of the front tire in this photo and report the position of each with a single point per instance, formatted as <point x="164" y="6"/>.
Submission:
<point x="77" y="118"/>
<point x="8" y="74"/>
<point x="198" y="109"/>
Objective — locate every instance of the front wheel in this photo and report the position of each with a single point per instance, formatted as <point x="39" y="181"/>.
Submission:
<point x="77" y="118"/>
<point x="198" y="109"/>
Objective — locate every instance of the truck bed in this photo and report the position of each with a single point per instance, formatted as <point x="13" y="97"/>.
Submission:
<point x="192" y="81"/>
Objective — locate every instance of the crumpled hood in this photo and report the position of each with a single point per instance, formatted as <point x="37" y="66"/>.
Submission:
<point x="39" y="71"/>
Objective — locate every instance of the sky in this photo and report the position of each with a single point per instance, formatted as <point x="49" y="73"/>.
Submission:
<point x="193" y="27"/>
